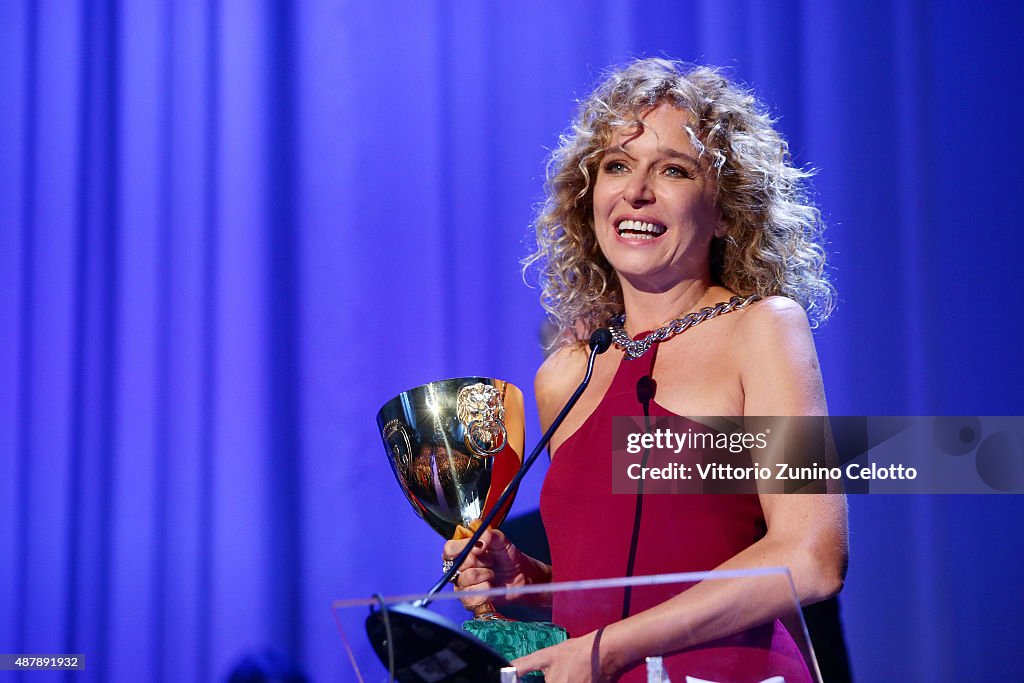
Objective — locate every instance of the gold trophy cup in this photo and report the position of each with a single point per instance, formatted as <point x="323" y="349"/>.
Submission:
<point x="454" y="446"/>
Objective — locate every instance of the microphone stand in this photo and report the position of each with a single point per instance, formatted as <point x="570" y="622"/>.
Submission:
<point x="421" y="630"/>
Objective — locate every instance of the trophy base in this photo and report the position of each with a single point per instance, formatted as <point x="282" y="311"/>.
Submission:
<point x="515" y="639"/>
<point x="428" y="648"/>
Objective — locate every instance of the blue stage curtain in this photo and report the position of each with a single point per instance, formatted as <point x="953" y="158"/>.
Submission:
<point x="230" y="230"/>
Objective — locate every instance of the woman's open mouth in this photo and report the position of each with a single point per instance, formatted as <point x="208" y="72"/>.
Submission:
<point x="639" y="230"/>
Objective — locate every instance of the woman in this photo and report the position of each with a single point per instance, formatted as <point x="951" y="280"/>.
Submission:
<point x="671" y="193"/>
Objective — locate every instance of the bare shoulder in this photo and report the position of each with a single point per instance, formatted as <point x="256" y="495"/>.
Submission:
<point x="774" y="315"/>
<point x="557" y="377"/>
<point x="778" y="363"/>
<point x="776" y="325"/>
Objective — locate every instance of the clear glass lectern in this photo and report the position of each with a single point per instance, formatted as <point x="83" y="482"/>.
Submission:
<point x="763" y="639"/>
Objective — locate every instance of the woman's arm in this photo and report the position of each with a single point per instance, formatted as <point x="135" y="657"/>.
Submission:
<point x="806" y="533"/>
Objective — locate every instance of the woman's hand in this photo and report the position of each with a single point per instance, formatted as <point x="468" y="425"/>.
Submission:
<point x="575" y="660"/>
<point x="494" y="563"/>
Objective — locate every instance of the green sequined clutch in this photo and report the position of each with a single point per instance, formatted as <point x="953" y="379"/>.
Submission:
<point x="515" y="639"/>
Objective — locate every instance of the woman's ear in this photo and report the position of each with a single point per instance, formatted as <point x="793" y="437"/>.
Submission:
<point x="722" y="228"/>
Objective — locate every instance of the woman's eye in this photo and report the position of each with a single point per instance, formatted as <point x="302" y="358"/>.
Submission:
<point x="615" y="167"/>
<point x="676" y="172"/>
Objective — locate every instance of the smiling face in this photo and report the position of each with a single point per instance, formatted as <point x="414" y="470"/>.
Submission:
<point x="654" y="204"/>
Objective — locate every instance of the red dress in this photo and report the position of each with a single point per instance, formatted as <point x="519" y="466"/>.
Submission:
<point x="591" y="534"/>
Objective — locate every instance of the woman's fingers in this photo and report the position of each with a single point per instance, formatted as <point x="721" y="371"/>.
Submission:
<point x="490" y="540"/>
<point x="490" y="557"/>
<point x="472" y="601"/>
<point x="479" y="556"/>
<point x="491" y="563"/>
<point x="452" y="549"/>
<point x="493" y="540"/>
<point x="535" y="661"/>
<point x="476" y="579"/>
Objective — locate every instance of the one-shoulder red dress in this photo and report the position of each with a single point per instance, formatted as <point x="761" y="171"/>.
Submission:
<point x="595" y="534"/>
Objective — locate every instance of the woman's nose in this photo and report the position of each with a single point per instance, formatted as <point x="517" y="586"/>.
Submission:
<point x="638" y="190"/>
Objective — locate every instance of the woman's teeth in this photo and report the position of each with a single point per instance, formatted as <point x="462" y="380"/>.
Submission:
<point x="638" y="230"/>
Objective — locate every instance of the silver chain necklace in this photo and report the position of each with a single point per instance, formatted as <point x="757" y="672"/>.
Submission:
<point x="638" y="347"/>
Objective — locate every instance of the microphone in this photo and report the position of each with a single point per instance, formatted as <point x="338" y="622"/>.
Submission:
<point x="645" y="390"/>
<point x="419" y="633"/>
<point x="600" y="340"/>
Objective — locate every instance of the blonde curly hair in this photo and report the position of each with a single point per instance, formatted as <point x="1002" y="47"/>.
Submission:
<point x="773" y="241"/>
